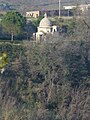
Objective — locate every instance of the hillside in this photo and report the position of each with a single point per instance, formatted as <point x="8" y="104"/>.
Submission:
<point x="46" y="82"/>
<point x="25" y="5"/>
<point x="49" y="80"/>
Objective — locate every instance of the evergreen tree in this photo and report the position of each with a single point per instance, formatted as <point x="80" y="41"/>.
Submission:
<point x="13" y="23"/>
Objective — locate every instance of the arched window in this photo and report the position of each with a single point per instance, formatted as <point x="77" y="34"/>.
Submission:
<point x="54" y="30"/>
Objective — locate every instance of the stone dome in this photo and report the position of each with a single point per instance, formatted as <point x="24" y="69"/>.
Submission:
<point x="45" y="22"/>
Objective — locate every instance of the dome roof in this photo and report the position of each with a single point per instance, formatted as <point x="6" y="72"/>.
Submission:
<point x="45" y="22"/>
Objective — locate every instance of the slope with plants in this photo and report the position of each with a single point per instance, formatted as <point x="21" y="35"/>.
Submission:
<point x="48" y="81"/>
<point x="25" y="5"/>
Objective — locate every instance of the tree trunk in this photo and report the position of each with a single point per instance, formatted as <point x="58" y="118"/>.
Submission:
<point x="12" y="36"/>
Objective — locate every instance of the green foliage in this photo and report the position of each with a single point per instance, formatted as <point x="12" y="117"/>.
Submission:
<point x="71" y="27"/>
<point x="76" y="65"/>
<point x="3" y="60"/>
<point x="13" y="22"/>
<point x="45" y="81"/>
<point x="37" y="21"/>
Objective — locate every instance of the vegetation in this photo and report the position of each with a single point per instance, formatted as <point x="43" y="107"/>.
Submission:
<point x="50" y="80"/>
<point x="43" y="81"/>
<point x="13" y="23"/>
<point x="36" y="22"/>
<point x="3" y="60"/>
<point x="28" y="5"/>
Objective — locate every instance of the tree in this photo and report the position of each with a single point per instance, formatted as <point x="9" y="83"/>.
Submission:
<point x="71" y="27"/>
<point x="13" y="23"/>
<point x="37" y="21"/>
<point x="3" y="61"/>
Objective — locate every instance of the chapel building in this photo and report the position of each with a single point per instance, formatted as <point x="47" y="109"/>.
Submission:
<point x="45" y="27"/>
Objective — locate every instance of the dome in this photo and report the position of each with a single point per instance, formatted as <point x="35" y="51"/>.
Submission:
<point x="45" y="22"/>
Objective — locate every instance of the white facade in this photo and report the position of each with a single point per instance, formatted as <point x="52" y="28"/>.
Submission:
<point x="82" y="7"/>
<point x="69" y="7"/>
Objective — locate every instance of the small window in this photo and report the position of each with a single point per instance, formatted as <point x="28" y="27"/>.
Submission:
<point x="54" y="30"/>
<point x="51" y="29"/>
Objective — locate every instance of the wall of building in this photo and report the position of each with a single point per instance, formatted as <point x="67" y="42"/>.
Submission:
<point x="64" y="12"/>
<point x="34" y="14"/>
<point x="45" y="30"/>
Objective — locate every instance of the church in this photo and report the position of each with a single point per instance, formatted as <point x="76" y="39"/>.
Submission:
<point x="45" y="27"/>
